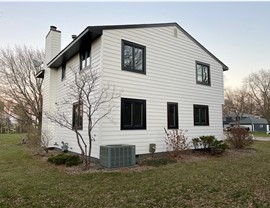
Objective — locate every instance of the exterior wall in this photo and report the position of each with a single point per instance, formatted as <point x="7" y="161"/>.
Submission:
<point x="260" y="127"/>
<point x="170" y="77"/>
<point x="62" y="91"/>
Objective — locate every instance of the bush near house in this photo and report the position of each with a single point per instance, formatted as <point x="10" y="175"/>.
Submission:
<point x="63" y="158"/>
<point x="239" y="138"/>
<point x="209" y="144"/>
<point x="176" y="141"/>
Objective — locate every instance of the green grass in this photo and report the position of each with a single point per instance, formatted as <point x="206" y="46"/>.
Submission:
<point x="242" y="181"/>
<point x="260" y="134"/>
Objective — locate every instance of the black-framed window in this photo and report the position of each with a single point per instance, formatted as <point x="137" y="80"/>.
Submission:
<point x="77" y="116"/>
<point x="133" y="57"/>
<point x="85" y="58"/>
<point x="203" y="73"/>
<point x="172" y="115"/>
<point x="63" y="75"/>
<point x="133" y="114"/>
<point x="201" y="115"/>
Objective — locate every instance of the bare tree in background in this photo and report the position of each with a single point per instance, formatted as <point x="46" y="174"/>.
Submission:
<point x="92" y="101"/>
<point x="258" y="83"/>
<point x="19" y="87"/>
<point x="237" y="102"/>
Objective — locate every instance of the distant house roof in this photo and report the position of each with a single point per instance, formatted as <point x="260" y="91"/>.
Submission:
<point x="253" y="120"/>
<point x="227" y="120"/>
<point x="93" y="32"/>
<point x="234" y="115"/>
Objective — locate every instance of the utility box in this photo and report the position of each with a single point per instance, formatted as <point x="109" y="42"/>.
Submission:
<point x="152" y="148"/>
<point x="119" y="155"/>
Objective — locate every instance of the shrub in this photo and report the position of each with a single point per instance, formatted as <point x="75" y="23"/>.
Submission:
<point x="196" y="143"/>
<point x="176" y="141"/>
<point x="207" y="141"/>
<point x="218" y="147"/>
<point x="73" y="160"/>
<point x="209" y="144"/>
<point x="62" y="158"/>
<point x="239" y="138"/>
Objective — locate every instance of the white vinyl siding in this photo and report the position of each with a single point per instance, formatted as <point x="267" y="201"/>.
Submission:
<point x="171" y="75"/>
<point x="62" y="91"/>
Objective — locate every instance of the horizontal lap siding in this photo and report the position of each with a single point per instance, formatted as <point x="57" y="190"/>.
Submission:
<point x="61" y="133"/>
<point x="170" y="77"/>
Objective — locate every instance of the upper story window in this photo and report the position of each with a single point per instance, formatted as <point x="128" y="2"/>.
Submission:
<point x="133" y="57"/>
<point x="201" y="115"/>
<point x="172" y="115"/>
<point x="133" y="114"/>
<point x="203" y="73"/>
<point x="85" y="58"/>
<point x="63" y="76"/>
<point x="77" y="116"/>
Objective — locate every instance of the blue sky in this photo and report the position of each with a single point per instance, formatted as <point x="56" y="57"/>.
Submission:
<point x="238" y="33"/>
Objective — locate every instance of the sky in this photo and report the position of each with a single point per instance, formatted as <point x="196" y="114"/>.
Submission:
<point x="238" y="33"/>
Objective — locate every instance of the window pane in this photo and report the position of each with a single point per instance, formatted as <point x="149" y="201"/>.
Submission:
<point x="205" y="74"/>
<point x="199" y="73"/>
<point x="138" y="61"/>
<point x="128" y="57"/>
<point x="137" y="114"/>
<point x="63" y="71"/>
<point x="172" y="116"/>
<point x="88" y="58"/>
<point x="197" y="115"/>
<point x="127" y="114"/>
<point x="203" y="116"/>
<point x="80" y="116"/>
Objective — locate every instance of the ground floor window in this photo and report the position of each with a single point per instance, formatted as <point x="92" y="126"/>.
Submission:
<point x="77" y="116"/>
<point x="133" y="114"/>
<point x="201" y="115"/>
<point x="172" y="115"/>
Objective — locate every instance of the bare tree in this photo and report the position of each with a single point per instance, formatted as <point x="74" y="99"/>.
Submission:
<point x="237" y="102"/>
<point x="19" y="87"/>
<point x="258" y="83"/>
<point x="92" y="100"/>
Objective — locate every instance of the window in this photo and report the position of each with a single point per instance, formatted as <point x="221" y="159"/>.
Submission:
<point x="172" y="115"/>
<point x="201" y="115"/>
<point x="77" y="116"/>
<point x="85" y="59"/>
<point x="133" y="114"/>
<point x="202" y="73"/>
<point x="63" y="71"/>
<point x="133" y="57"/>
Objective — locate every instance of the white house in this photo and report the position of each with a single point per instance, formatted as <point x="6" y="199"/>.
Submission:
<point x="168" y="79"/>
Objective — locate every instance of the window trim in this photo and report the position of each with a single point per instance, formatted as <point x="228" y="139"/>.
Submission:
<point x="176" y="115"/>
<point x="63" y="71"/>
<point x="122" y="126"/>
<point x="84" y="52"/>
<point x="73" y="121"/>
<point x="207" y="115"/>
<point x="209" y="74"/>
<point x="133" y="45"/>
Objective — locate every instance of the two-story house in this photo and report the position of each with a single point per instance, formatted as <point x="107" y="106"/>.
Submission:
<point x="168" y="79"/>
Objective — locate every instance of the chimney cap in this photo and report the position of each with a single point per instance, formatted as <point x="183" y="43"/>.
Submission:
<point x="74" y="37"/>
<point x="53" y="27"/>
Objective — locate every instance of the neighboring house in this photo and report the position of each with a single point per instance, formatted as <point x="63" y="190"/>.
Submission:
<point x="172" y="79"/>
<point x="254" y="123"/>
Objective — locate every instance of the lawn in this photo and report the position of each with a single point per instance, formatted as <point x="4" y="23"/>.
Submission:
<point x="260" y="134"/>
<point x="26" y="181"/>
